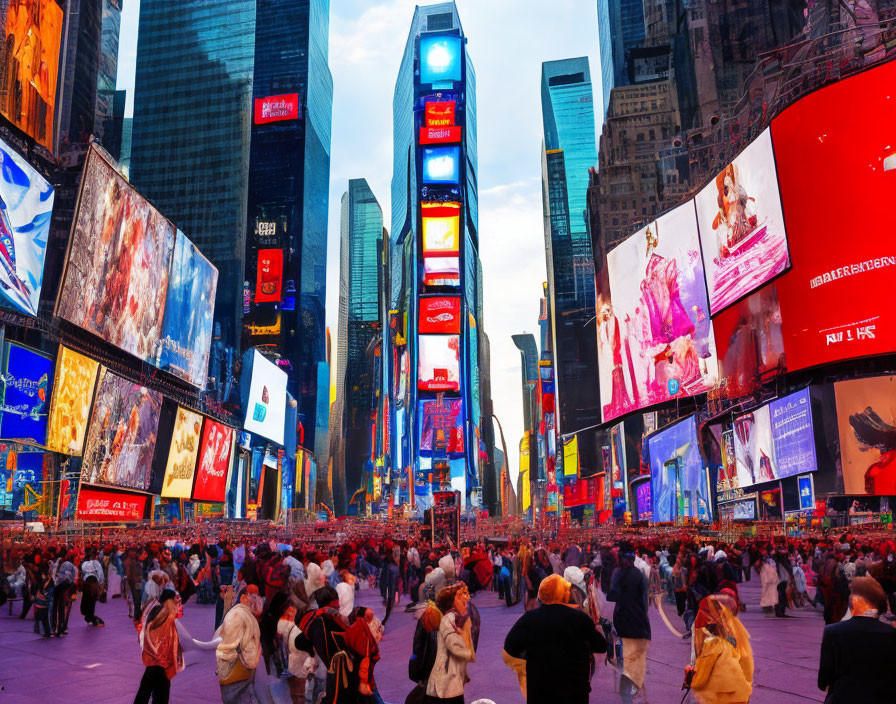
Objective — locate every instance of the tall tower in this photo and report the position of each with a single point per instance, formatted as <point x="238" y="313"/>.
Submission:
<point x="435" y="260"/>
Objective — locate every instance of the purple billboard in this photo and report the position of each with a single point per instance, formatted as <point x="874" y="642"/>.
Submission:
<point x="643" y="502"/>
<point x="793" y="435"/>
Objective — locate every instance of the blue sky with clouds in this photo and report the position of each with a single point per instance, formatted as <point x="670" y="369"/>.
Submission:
<point x="507" y="41"/>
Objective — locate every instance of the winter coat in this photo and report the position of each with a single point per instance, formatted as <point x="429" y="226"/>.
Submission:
<point x="449" y="672"/>
<point x="768" y="576"/>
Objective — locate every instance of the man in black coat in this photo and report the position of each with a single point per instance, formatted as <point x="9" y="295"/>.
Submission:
<point x="857" y="655"/>
<point x="558" y="644"/>
<point x="629" y="588"/>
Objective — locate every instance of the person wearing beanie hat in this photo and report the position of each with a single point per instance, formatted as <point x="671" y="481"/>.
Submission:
<point x="857" y="655"/>
<point x="552" y="647"/>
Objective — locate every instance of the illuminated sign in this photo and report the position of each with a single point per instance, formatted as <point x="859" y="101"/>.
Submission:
<point x="270" y="274"/>
<point x="439" y="113"/>
<point x="439" y="135"/>
<point x="441" y="165"/>
<point x="440" y="58"/>
<point x="276" y="108"/>
<point x="441" y="229"/>
<point x="440" y="314"/>
<point x="97" y="505"/>
<point x="441" y="271"/>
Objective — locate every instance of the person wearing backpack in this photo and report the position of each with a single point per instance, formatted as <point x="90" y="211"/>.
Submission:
<point x="290" y="659"/>
<point x="423" y="652"/>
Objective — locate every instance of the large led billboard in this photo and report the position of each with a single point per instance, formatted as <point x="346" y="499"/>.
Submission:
<point x="643" y="502"/>
<point x="440" y="59"/>
<point x="276" y="108"/>
<point x="439" y="315"/>
<point x="441" y="271"/>
<point x="100" y="506"/>
<point x="116" y="275"/>
<point x="266" y="409"/>
<point x="442" y="427"/>
<point x="189" y="311"/>
<point x="655" y="337"/>
<point x="793" y="434"/>
<point x="441" y="165"/>
<point x="836" y="158"/>
<point x="679" y="486"/>
<point x="26" y="207"/>
<point x="269" y="278"/>
<point x="121" y="438"/>
<point x="438" y="367"/>
<point x="742" y="225"/>
<point x="30" y="60"/>
<point x="25" y="388"/>
<point x="182" y="454"/>
<point x="441" y="229"/>
<point x="754" y="448"/>
<point x="214" y="462"/>
<point x="73" y="388"/>
<point x="866" y="418"/>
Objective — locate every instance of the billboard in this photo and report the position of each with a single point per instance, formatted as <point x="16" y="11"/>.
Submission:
<point x="441" y="165"/>
<point x="441" y="271"/>
<point x="679" y="487"/>
<point x="25" y="388"/>
<point x="121" y="437"/>
<point x="438" y="367"/>
<point x="110" y="506"/>
<point x="440" y="58"/>
<point x="269" y="279"/>
<point x="266" y="409"/>
<point x="866" y="418"/>
<point x="276" y="108"/>
<point x="655" y="339"/>
<point x="116" y="275"/>
<point x="27" y="471"/>
<point x="643" y="503"/>
<point x="440" y="135"/>
<point x="837" y="171"/>
<point x="214" y="462"/>
<point x="30" y="52"/>
<point x="73" y="388"/>
<point x="440" y="315"/>
<point x="189" y="311"/>
<point x="439" y="113"/>
<point x="26" y="207"/>
<point x="742" y="225"/>
<point x="738" y="510"/>
<point x="442" y="427"/>
<point x="793" y="434"/>
<point x="754" y="448"/>
<point x="181" y="466"/>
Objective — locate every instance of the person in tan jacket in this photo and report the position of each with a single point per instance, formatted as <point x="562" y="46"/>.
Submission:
<point x="455" y="647"/>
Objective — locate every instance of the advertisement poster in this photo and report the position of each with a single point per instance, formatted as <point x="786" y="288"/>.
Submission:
<point x="438" y="367"/>
<point x="742" y="225"/>
<point x="187" y="325"/>
<point x="266" y="409"/>
<point x="181" y="466"/>
<point x="30" y="60"/>
<point x="25" y="388"/>
<point x="441" y="166"/>
<point x="26" y="207"/>
<point x="439" y="113"/>
<point x="866" y="418"/>
<point x="442" y="427"/>
<point x="643" y="502"/>
<point x="268" y="285"/>
<point x="754" y="448"/>
<point x="121" y="437"/>
<point x="571" y="456"/>
<point x="679" y="487"/>
<point x="116" y="277"/>
<point x="793" y="434"/>
<point x="655" y="337"/>
<point x="440" y="58"/>
<point x="276" y="108"/>
<point x="73" y="388"/>
<point x="27" y="480"/>
<point x="110" y="506"/>
<point x="214" y="462"/>
<point x="441" y="271"/>
<point x="837" y="183"/>
<point x="441" y="229"/>
<point x="738" y="510"/>
<point x="807" y="493"/>
<point x="727" y="478"/>
<point x="439" y="315"/>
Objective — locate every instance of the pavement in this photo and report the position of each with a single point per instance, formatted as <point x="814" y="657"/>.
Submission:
<point x="103" y="665"/>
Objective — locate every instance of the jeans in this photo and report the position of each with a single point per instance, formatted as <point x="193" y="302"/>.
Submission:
<point x="155" y="684"/>
<point x="88" y="601"/>
<point x="62" y="606"/>
<point x="42" y="617"/>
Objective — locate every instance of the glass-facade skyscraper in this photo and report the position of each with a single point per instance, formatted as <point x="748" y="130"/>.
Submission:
<point x="605" y="44"/>
<point x="626" y="27"/>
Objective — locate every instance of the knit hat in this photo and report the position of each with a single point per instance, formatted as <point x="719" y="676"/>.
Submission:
<point x="554" y="590"/>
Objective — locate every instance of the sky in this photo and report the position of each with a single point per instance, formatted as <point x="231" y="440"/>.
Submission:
<point x="507" y="41"/>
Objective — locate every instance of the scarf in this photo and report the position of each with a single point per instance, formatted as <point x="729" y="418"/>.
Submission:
<point x="240" y="640"/>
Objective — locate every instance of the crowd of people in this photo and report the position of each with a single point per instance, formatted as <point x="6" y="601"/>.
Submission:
<point x="288" y="606"/>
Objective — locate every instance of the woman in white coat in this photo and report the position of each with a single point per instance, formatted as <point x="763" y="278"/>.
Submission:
<point x="455" y="647"/>
<point x="768" y="577"/>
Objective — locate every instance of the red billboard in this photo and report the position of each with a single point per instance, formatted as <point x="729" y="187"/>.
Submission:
<point x="836" y="161"/>
<point x="440" y="314"/>
<point x="440" y="113"/>
<point x="276" y="108"/>
<point x="98" y="505"/>
<point x="440" y="135"/>
<point x="270" y="276"/>
<point x="214" y="461"/>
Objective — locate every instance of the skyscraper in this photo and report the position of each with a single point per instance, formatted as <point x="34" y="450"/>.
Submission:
<point x="362" y="235"/>
<point x="605" y="45"/>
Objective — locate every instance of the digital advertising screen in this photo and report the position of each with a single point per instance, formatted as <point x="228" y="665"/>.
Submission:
<point x="266" y="409"/>
<point x="793" y="434"/>
<point x="269" y="281"/>
<point x="30" y="60"/>
<point x="116" y="275"/>
<point x="27" y="471"/>
<point x="441" y="271"/>
<point x="439" y="113"/>
<point x="73" y="388"/>
<point x="866" y="418"/>
<point x="738" y="510"/>
<point x="837" y="171"/>
<point x="182" y="454"/>
<point x="189" y="311"/>
<point x="440" y="58"/>
<point x="643" y="503"/>
<point x="441" y="229"/>
<point x="439" y="315"/>
<point x="754" y="448"/>
<point x="98" y="505"/>
<point x="26" y="393"/>
<point x="26" y="208"/>
<point x="742" y="225"/>
<point x="679" y="487"/>
<point x="442" y="427"/>
<point x="807" y="493"/>
<point x="655" y="337"/>
<point x="277" y="108"/>
<point x="438" y="366"/>
<point x="441" y="165"/>
<point x="214" y="462"/>
<point x="121" y="437"/>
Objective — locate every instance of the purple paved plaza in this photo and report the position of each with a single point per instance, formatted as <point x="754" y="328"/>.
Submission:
<point x="103" y="665"/>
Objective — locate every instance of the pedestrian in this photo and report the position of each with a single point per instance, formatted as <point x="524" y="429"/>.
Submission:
<point x="362" y="641"/>
<point x="629" y="590"/>
<point x="43" y="587"/>
<point x="326" y="628"/>
<point x="93" y="581"/>
<point x="455" y="647"/>
<point x="162" y="654"/>
<point x="556" y="646"/>
<point x="288" y="632"/>
<point x="423" y="651"/>
<point x="723" y="665"/>
<point x="239" y="651"/>
<point x="768" y="577"/>
<point x="65" y="580"/>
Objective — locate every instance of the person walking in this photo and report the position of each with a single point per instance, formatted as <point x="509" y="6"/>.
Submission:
<point x="629" y="591"/>
<point x="723" y="658"/>
<point x="65" y="580"/>
<point x="162" y="654"/>
<point x="93" y="583"/>
<point x="239" y="651"/>
<point x="455" y="647"/>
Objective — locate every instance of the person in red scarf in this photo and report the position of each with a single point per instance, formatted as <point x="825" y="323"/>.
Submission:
<point x="162" y="653"/>
<point x="363" y="645"/>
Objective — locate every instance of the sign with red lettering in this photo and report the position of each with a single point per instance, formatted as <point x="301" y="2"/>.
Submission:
<point x="440" y="113"/>
<point x="276" y="108"/>
<point x="440" y="314"/>
<point x="97" y="505"/>
<point x="214" y="461"/>
<point x="440" y="135"/>
<point x="270" y="276"/>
